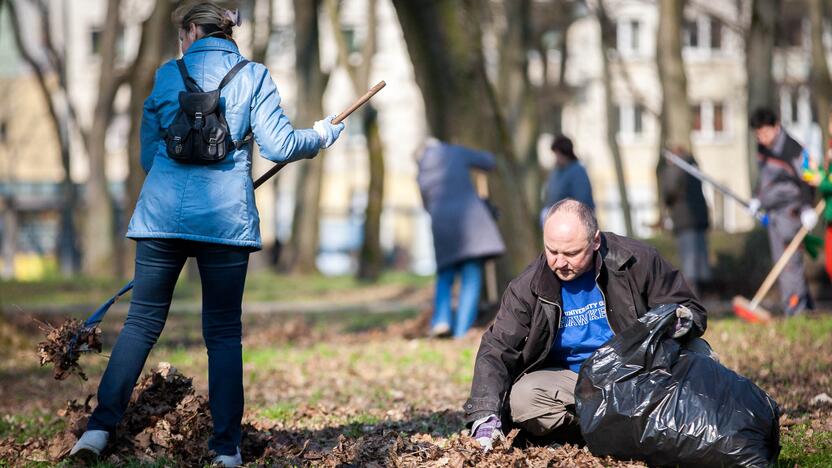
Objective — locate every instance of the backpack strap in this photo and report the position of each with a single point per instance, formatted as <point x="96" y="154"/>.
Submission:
<point x="231" y="73"/>
<point x="190" y="83"/>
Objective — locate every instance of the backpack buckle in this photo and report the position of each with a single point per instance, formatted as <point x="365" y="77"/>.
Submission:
<point x="198" y="120"/>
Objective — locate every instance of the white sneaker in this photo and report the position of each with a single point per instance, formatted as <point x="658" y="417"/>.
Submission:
<point x="228" y="460"/>
<point x="90" y="445"/>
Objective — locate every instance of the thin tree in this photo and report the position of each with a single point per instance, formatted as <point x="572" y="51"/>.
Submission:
<point x="759" y="53"/>
<point x="60" y="113"/>
<point x="607" y="48"/>
<point x="311" y="83"/>
<point x="99" y="228"/>
<point x="158" y="42"/>
<point x="820" y="81"/>
<point x="370" y="258"/>
<point x="444" y="41"/>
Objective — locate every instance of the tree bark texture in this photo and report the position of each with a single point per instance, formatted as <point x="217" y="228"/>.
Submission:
<point x="519" y="97"/>
<point x="759" y="52"/>
<point x="158" y="42"/>
<point x="371" y="257"/>
<point x="303" y="245"/>
<point x="676" y="116"/>
<point x="820" y="81"/>
<point x="55" y="96"/>
<point x="99" y="229"/>
<point x="607" y="45"/>
<point x="444" y="41"/>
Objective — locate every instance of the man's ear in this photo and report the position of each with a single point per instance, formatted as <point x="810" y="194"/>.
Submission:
<point x="596" y="240"/>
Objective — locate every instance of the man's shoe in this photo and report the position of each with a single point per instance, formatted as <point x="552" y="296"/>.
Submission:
<point x="89" y="446"/>
<point x="228" y="460"/>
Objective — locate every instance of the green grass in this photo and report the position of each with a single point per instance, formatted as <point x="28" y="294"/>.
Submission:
<point x="282" y="412"/>
<point x="25" y="426"/>
<point x="806" y="449"/>
<point x="261" y="286"/>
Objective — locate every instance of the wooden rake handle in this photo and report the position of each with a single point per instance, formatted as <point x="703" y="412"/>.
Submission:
<point x="338" y="119"/>
<point x="781" y="262"/>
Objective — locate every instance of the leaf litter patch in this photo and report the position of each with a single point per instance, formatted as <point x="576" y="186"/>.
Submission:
<point x="65" y="344"/>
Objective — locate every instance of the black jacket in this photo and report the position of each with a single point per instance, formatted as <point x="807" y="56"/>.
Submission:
<point x="682" y="194"/>
<point x="633" y="278"/>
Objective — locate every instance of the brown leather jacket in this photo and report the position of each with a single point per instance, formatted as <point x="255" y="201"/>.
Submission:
<point x="633" y="278"/>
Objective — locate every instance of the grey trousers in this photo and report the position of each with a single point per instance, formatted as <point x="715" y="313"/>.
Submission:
<point x="544" y="401"/>
<point x="794" y="291"/>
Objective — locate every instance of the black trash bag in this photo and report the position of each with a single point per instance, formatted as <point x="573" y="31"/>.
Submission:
<point x="642" y="397"/>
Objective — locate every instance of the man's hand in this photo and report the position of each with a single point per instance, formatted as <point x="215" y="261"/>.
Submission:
<point x="808" y="218"/>
<point x="486" y="431"/>
<point x="684" y="322"/>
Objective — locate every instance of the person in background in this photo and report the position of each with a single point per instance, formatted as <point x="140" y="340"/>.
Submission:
<point x="205" y="211"/>
<point x="825" y="188"/>
<point x="568" y="179"/>
<point x="787" y="200"/>
<point x="683" y="198"/>
<point x="465" y="233"/>
<point x="584" y="287"/>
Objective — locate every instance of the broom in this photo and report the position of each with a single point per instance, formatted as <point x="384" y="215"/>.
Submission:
<point x="751" y="311"/>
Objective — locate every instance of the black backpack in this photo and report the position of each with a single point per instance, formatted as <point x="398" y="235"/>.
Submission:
<point x="199" y="133"/>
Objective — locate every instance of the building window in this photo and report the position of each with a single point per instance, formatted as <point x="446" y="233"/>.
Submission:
<point x="789" y="32"/>
<point x="630" y="123"/>
<point x="709" y="119"/>
<point x="4" y="131"/>
<point x="97" y="34"/>
<point x="702" y="33"/>
<point x="628" y="37"/>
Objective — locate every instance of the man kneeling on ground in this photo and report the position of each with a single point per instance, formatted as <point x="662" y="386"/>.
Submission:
<point x="584" y="288"/>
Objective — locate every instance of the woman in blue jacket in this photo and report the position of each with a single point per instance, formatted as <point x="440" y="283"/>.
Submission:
<point x="205" y="211"/>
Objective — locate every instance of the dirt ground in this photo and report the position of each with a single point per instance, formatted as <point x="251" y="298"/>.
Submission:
<point x="357" y="390"/>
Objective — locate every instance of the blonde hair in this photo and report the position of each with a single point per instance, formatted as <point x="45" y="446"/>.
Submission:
<point x="212" y="18"/>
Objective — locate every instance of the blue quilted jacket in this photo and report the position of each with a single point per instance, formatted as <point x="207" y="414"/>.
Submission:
<point x="212" y="203"/>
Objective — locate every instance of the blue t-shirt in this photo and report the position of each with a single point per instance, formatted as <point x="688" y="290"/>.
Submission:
<point x="583" y="325"/>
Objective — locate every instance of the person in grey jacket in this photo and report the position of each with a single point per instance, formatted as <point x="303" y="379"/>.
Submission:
<point x="464" y="230"/>
<point x="569" y="178"/>
<point x="685" y="202"/>
<point x="787" y="200"/>
<point x="205" y="211"/>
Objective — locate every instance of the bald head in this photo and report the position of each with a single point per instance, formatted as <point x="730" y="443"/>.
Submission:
<point x="570" y="237"/>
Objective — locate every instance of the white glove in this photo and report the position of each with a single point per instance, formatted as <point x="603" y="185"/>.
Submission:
<point x="754" y="206"/>
<point x="808" y="218"/>
<point x="684" y="322"/>
<point x="486" y="430"/>
<point x="327" y="131"/>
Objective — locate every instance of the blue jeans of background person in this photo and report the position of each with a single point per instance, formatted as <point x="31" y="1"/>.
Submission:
<point x="222" y="270"/>
<point x="470" y="272"/>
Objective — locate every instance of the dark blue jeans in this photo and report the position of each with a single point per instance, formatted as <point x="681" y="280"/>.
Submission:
<point x="222" y="270"/>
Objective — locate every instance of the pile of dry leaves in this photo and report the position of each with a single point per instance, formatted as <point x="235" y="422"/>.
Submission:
<point x="65" y="344"/>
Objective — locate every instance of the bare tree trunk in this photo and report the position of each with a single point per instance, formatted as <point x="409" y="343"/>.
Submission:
<point x="676" y="115"/>
<point x="518" y="96"/>
<point x="56" y="102"/>
<point x="371" y="257"/>
<point x="445" y="44"/>
<point x="676" y="118"/>
<point x="759" y="52"/>
<point x="157" y="43"/>
<point x="608" y="44"/>
<point x="303" y="246"/>
<point x="9" y="245"/>
<point x="99" y="229"/>
<point x="821" y="83"/>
